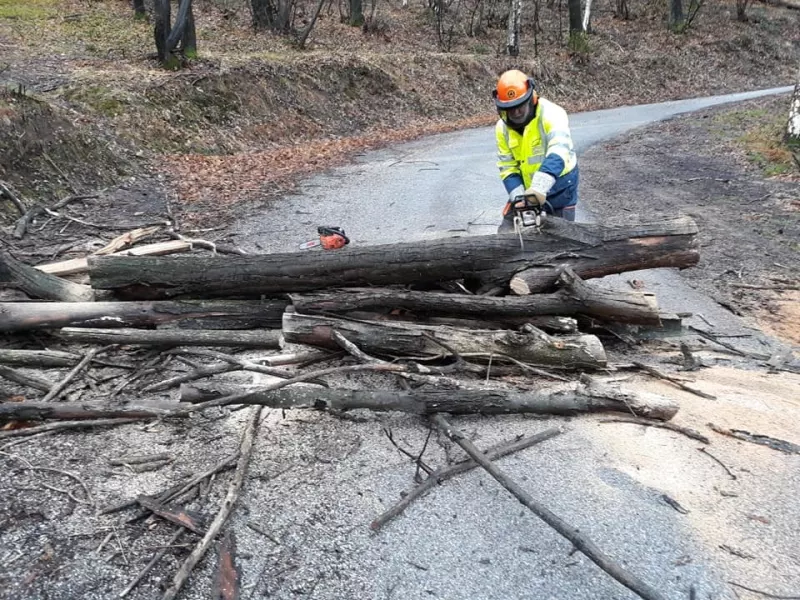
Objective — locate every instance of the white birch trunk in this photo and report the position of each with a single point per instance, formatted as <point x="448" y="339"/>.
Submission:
<point x="514" y="15"/>
<point x="587" y="15"/>
<point x="793" y="127"/>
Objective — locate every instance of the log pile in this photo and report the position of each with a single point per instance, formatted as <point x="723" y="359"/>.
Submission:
<point x="438" y="319"/>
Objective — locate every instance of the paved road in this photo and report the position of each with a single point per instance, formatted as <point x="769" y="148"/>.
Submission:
<point x="469" y="539"/>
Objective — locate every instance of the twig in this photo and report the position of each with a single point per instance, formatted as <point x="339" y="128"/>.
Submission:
<point x="191" y="376"/>
<point x="57" y="388"/>
<point x="732" y="348"/>
<point x="762" y="593"/>
<point x="757" y="438"/>
<point x="27" y="465"/>
<point x="65" y="426"/>
<point x="247" y="365"/>
<point x="5" y="190"/>
<point x="444" y="473"/>
<point x="245" y="450"/>
<point x="718" y="461"/>
<point x="574" y="535"/>
<point x="177" y="489"/>
<point x="416" y="459"/>
<point x="690" y="433"/>
<point x="673" y="380"/>
<point x="233" y="398"/>
<point x="153" y="562"/>
<point x="354" y="350"/>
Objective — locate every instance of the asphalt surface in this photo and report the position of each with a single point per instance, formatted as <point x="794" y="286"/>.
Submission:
<point x="470" y="539"/>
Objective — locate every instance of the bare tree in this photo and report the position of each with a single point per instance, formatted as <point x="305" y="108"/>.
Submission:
<point x="621" y="10"/>
<point x="356" y="13"/>
<point x="676" y="16"/>
<point x="168" y="37"/>
<point x="587" y="15"/>
<point x="302" y="36"/>
<point x="741" y="10"/>
<point x="793" y="126"/>
<point x="275" y="15"/>
<point x="575" y="21"/>
<point x="514" y="16"/>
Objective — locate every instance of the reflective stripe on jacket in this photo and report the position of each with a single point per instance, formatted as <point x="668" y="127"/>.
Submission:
<point x="546" y="139"/>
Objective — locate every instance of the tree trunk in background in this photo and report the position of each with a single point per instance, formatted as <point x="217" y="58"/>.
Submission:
<point x="163" y="19"/>
<point x="514" y="16"/>
<point x="587" y="15"/>
<point x="575" y="20"/>
<point x="262" y="14"/>
<point x="793" y="126"/>
<point x="676" y="16"/>
<point x="189" y="39"/>
<point x="621" y="10"/>
<point x="139" y="12"/>
<point x="356" y="13"/>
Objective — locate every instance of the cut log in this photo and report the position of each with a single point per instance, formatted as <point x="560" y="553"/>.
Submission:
<point x="262" y="338"/>
<point x="65" y="411"/>
<point x="549" y="324"/>
<point x="594" y="250"/>
<point x="398" y="339"/>
<point x="575" y="397"/>
<point x="577" y="298"/>
<point x="37" y="358"/>
<point x="81" y="265"/>
<point x="209" y="314"/>
<point x="36" y="284"/>
<point x="610" y="258"/>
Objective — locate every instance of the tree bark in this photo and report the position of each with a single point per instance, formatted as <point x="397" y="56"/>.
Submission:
<point x="209" y="314"/>
<point x="173" y="337"/>
<point x="36" y="284"/>
<point x="575" y="397"/>
<point x="577" y="298"/>
<point x="592" y="250"/>
<point x="262" y="14"/>
<point x="578" y="351"/>
<point x="547" y="323"/>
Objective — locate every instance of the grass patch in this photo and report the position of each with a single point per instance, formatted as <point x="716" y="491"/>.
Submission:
<point x="759" y="132"/>
<point x="30" y="10"/>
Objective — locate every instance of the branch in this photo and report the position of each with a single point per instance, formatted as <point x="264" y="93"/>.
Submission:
<point x="444" y="473"/>
<point x="245" y="450"/>
<point x="574" y="535"/>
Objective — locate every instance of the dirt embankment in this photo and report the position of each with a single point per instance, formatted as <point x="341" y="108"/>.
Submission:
<point x="253" y="112"/>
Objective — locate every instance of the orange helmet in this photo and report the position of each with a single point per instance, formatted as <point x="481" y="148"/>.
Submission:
<point x="513" y="88"/>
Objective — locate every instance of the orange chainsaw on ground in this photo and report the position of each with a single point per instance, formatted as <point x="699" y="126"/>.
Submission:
<point x="330" y="238"/>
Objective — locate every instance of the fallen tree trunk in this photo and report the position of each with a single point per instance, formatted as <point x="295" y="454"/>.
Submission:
<point x="209" y="314"/>
<point x="263" y="338"/>
<point x="64" y="411"/>
<point x="36" y="284"/>
<point x="585" y="396"/>
<point x="37" y="358"/>
<point x="398" y="339"/>
<point x="576" y="297"/>
<point x="491" y="260"/>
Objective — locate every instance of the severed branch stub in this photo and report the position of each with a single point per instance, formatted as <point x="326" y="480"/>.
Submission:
<point x="574" y="535"/>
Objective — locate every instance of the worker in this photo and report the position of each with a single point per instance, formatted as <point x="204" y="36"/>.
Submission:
<point x="535" y="153"/>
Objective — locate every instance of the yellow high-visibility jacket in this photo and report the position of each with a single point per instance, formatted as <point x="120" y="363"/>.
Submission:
<point x="546" y="144"/>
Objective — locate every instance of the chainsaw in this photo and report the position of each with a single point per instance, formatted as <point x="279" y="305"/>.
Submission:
<point x="527" y="213"/>
<point x="330" y="238"/>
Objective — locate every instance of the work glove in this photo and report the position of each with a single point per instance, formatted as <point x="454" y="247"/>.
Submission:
<point x="541" y="184"/>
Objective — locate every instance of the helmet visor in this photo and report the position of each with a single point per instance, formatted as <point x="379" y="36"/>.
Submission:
<point x="519" y="115"/>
